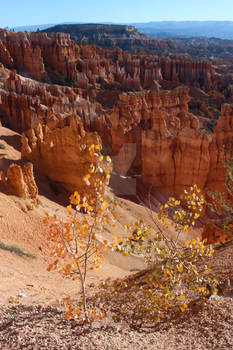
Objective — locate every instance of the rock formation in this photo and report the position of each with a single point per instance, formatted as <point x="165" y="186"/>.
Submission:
<point x="58" y="58"/>
<point x="178" y="158"/>
<point x="221" y="145"/>
<point x="112" y="36"/>
<point x="213" y="235"/>
<point x="134" y="115"/>
<point x="147" y="132"/>
<point x="24" y="100"/>
<point x="147" y="129"/>
<point x="20" y="182"/>
<point x="61" y="151"/>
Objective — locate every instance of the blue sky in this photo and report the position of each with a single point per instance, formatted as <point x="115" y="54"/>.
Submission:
<point x="29" y="12"/>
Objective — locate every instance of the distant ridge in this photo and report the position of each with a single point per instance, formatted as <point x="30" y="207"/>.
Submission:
<point x="93" y="32"/>
<point x="112" y="36"/>
<point x="35" y="27"/>
<point x="165" y="29"/>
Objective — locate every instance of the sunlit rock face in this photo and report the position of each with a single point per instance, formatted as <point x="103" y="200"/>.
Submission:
<point x="62" y="152"/>
<point x="19" y="181"/>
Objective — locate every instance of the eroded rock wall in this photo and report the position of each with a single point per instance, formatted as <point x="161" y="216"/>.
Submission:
<point x="62" y="152"/>
<point x="138" y="113"/>
<point x="175" y="160"/>
<point x="58" y="58"/>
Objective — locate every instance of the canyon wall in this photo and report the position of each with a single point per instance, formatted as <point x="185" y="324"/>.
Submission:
<point x="137" y="113"/>
<point x="24" y="100"/>
<point x="57" y="58"/>
<point x="148" y="131"/>
<point x="176" y="160"/>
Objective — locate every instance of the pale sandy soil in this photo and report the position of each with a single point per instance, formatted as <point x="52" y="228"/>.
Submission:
<point x="33" y="322"/>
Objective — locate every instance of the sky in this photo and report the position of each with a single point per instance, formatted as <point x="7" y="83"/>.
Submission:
<point x="31" y="12"/>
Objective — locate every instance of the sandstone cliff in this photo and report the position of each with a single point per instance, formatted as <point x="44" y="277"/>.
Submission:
<point x="61" y="151"/>
<point x="136" y="114"/>
<point x="188" y="155"/>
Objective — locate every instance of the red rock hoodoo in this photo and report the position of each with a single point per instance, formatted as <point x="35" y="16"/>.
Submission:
<point x="61" y="151"/>
<point x="20" y="182"/>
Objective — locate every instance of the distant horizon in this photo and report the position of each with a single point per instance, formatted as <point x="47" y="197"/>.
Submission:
<point x="112" y="23"/>
<point x="119" y="23"/>
<point x="16" y="13"/>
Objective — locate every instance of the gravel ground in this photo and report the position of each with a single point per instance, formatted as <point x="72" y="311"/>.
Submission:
<point x="204" y="326"/>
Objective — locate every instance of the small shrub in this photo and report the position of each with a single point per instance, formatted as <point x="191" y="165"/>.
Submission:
<point x="2" y="146"/>
<point x="172" y="273"/>
<point x="75" y="249"/>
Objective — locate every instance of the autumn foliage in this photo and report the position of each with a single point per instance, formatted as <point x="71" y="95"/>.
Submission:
<point x="173" y="271"/>
<point x="74" y="247"/>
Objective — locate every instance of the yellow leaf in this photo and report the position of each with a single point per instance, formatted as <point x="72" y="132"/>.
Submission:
<point x="183" y="307"/>
<point x="180" y="268"/>
<point x="119" y="240"/>
<point x="66" y="316"/>
<point x="183" y="297"/>
<point x="68" y="209"/>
